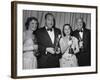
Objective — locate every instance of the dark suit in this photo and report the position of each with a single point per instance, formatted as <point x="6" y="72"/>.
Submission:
<point x="47" y="60"/>
<point x="84" y="56"/>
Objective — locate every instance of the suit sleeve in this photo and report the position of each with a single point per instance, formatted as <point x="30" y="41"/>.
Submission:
<point x="41" y="47"/>
<point x="87" y="41"/>
<point x="59" y="33"/>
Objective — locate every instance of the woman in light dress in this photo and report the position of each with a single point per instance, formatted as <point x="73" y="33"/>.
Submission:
<point x="30" y="46"/>
<point x="69" y="47"/>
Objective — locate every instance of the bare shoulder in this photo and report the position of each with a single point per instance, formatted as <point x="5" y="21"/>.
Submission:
<point x="61" y="40"/>
<point x="74" y="38"/>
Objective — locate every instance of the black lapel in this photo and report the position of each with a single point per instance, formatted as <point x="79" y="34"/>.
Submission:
<point x="55" y="34"/>
<point x="47" y="35"/>
<point x="84" y="36"/>
<point x="78" y="35"/>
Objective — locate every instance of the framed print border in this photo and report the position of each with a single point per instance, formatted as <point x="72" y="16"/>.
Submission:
<point x="15" y="34"/>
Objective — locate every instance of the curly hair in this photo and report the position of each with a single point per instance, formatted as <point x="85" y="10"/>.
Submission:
<point x="29" y="19"/>
<point x="69" y="27"/>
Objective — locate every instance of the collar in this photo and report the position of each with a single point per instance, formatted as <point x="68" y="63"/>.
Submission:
<point x="81" y="30"/>
<point x="49" y="29"/>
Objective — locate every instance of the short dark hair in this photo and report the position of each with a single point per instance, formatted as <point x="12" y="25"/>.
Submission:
<point x="29" y="19"/>
<point x="52" y="16"/>
<point x="48" y="14"/>
<point x="69" y="27"/>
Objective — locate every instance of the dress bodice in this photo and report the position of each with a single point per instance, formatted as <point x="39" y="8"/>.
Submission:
<point x="68" y="60"/>
<point x="29" y="41"/>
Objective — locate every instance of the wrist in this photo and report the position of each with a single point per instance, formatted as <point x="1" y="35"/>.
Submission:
<point x="46" y="49"/>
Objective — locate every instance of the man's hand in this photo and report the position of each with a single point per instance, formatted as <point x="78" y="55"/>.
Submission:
<point x="50" y="50"/>
<point x="58" y="51"/>
<point x="35" y="47"/>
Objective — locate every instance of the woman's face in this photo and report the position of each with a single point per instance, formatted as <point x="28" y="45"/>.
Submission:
<point x="67" y="30"/>
<point x="33" y="25"/>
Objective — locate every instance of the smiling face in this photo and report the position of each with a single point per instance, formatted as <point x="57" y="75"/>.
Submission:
<point x="80" y="24"/>
<point x="67" y="30"/>
<point x="49" y="21"/>
<point x="33" y="25"/>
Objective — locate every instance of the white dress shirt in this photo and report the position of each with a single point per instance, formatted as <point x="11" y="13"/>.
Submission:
<point x="81" y="34"/>
<point x="51" y="34"/>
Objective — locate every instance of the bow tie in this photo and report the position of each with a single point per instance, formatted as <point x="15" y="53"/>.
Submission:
<point x="81" y="31"/>
<point x="49" y="29"/>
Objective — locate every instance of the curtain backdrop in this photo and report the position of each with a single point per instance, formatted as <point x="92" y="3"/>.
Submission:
<point x="61" y="18"/>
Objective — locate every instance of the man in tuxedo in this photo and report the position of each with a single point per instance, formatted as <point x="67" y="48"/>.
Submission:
<point x="84" y="38"/>
<point x="47" y="39"/>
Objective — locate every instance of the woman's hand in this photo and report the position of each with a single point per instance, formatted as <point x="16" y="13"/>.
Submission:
<point x="70" y="42"/>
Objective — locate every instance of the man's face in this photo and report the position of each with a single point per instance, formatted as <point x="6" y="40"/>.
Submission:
<point x="79" y="24"/>
<point x="49" y="21"/>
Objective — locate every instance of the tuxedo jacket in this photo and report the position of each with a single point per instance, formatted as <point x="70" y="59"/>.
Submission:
<point x="84" y="56"/>
<point x="86" y="39"/>
<point x="47" y="60"/>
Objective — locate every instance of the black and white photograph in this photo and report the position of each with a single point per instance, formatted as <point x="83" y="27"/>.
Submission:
<point x="53" y="39"/>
